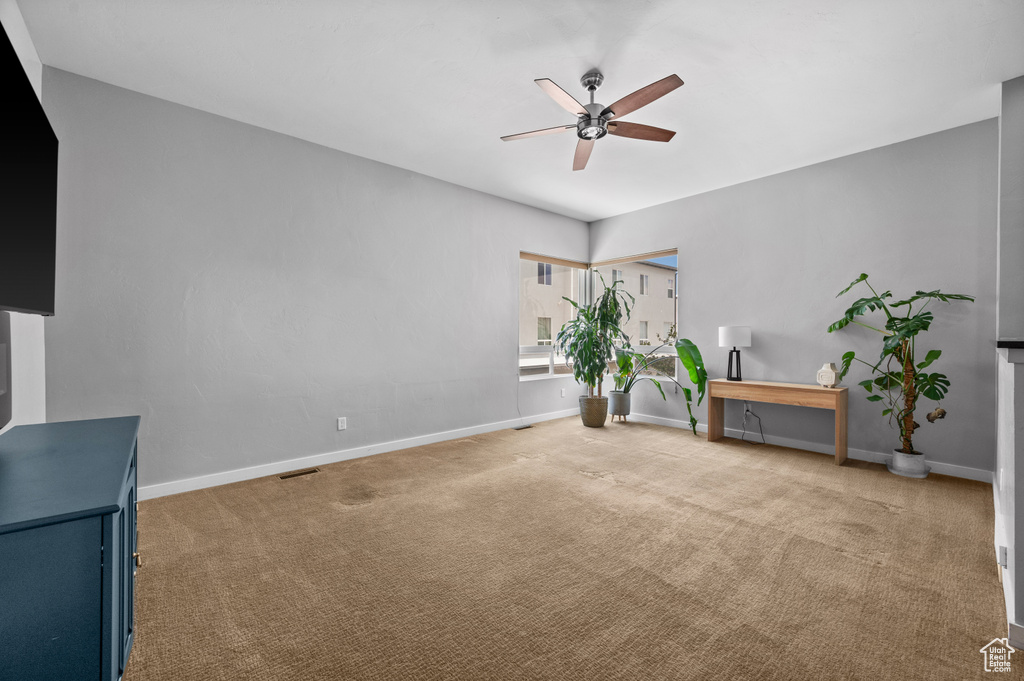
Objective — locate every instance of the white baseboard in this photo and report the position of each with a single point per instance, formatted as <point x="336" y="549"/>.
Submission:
<point x="671" y="423"/>
<point x="1016" y="636"/>
<point x="859" y="454"/>
<point x="278" y="467"/>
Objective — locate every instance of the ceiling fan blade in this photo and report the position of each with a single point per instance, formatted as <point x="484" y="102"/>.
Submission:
<point x="643" y="96"/>
<point x="640" y="132"/>
<point x="583" y="149"/>
<point x="536" y="133"/>
<point x="564" y="99"/>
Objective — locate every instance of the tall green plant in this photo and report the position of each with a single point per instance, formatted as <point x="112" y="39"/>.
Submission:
<point x="898" y="380"/>
<point x="632" y="366"/>
<point x="588" y="340"/>
<point x="692" y="361"/>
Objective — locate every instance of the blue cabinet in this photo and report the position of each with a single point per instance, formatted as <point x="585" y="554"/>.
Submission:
<point x="68" y="549"/>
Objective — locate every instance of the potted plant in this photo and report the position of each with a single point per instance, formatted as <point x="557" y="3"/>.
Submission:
<point x="588" y="342"/>
<point x="898" y="380"/>
<point x="635" y="367"/>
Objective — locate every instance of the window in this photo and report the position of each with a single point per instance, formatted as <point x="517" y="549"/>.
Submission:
<point x="657" y="310"/>
<point x="544" y="273"/>
<point x="542" y="311"/>
<point x="543" y="330"/>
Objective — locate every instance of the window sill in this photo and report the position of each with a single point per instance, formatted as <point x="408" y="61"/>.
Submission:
<point x="545" y="377"/>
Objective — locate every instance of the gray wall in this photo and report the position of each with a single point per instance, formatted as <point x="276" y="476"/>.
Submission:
<point x="241" y="289"/>
<point x="1011" y="211"/>
<point x="773" y="253"/>
<point x="28" y="370"/>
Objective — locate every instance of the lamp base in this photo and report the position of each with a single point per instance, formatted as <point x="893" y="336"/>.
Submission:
<point x="738" y="375"/>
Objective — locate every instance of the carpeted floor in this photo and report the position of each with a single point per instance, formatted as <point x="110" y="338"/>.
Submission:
<point x="563" y="552"/>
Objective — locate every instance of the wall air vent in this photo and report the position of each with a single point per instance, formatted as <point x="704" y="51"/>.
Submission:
<point x="295" y="474"/>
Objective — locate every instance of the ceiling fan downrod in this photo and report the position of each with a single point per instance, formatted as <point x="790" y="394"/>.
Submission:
<point x="593" y="126"/>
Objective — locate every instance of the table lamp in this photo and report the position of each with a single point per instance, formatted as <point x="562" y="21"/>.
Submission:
<point x="735" y="337"/>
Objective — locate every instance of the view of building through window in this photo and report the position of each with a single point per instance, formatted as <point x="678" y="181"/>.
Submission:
<point x="653" y="320"/>
<point x="543" y="311"/>
<point x="544" y="273"/>
<point x="543" y="330"/>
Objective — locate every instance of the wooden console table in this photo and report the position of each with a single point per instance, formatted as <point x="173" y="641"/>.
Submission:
<point x="720" y="390"/>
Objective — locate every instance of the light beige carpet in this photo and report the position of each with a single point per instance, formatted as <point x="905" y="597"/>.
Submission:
<point x="563" y="552"/>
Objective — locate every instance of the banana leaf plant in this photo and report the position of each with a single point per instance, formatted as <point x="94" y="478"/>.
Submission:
<point x="588" y="340"/>
<point x="633" y="368"/>
<point x="898" y="379"/>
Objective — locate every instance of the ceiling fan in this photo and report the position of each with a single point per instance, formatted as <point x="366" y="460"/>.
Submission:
<point x="595" y="121"/>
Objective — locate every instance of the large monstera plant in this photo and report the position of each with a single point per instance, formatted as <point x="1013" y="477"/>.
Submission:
<point x="898" y="378"/>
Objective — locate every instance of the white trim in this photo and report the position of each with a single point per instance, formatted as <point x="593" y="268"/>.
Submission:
<point x="278" y="467"/>
<point x="1000" y="539"/>
<point x="544" y="377"/>
<point x="1015" y="634"/>
<point x="1011" y="355"/>
<point x="859" y="454"/>
<point x="671" y="423"/>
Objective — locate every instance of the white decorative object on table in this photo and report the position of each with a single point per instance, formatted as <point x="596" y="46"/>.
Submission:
<point x="828" y="375"/>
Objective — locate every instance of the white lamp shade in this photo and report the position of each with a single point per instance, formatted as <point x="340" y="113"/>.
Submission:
<point x="734" y="336"/>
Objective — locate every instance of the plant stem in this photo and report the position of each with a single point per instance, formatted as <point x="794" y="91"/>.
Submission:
<point x="868" y="326"/>
<point x="885" y="308"/>
<point x="909" y="397"/>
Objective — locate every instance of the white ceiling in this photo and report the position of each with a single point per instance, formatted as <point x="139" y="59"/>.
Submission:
<point x="431" y="85"/>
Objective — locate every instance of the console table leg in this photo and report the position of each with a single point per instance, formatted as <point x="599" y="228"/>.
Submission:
<point x="716" y="418"/>
<point x="840" y="428"/>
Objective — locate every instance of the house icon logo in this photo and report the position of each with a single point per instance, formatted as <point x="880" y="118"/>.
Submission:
<point x="997" y="655"/>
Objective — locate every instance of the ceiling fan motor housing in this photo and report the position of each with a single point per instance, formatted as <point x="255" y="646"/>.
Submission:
<point x="593" y="126"/>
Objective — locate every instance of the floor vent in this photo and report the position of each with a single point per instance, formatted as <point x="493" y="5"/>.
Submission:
<point x="295" y="474"/>
<point x="523" y="427"/>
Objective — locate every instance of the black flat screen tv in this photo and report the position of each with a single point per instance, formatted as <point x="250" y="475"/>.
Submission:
<point x="28" y="194"/>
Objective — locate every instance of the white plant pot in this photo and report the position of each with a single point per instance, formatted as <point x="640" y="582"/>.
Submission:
<point x="908" y="465"/>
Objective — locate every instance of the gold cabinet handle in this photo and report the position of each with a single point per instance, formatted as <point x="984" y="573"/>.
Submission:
<point x="138" y="559"/>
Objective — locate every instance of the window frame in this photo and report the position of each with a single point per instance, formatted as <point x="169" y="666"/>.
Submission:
<point x="587" y="283"/>
<point x="581" y="286"/>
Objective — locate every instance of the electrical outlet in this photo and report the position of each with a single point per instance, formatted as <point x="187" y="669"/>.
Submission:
<point x="342" y="423"/>
<point x="563" y="392"/>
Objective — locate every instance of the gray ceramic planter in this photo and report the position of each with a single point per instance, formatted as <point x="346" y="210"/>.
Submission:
<point x="908" y="465"/>
<point x="618" y="403"/>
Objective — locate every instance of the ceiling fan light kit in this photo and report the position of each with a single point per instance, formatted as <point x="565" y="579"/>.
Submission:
<point x="595" y="120"/>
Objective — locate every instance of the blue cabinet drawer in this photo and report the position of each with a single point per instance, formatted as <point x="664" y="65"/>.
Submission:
<point x="68" y="496"/>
